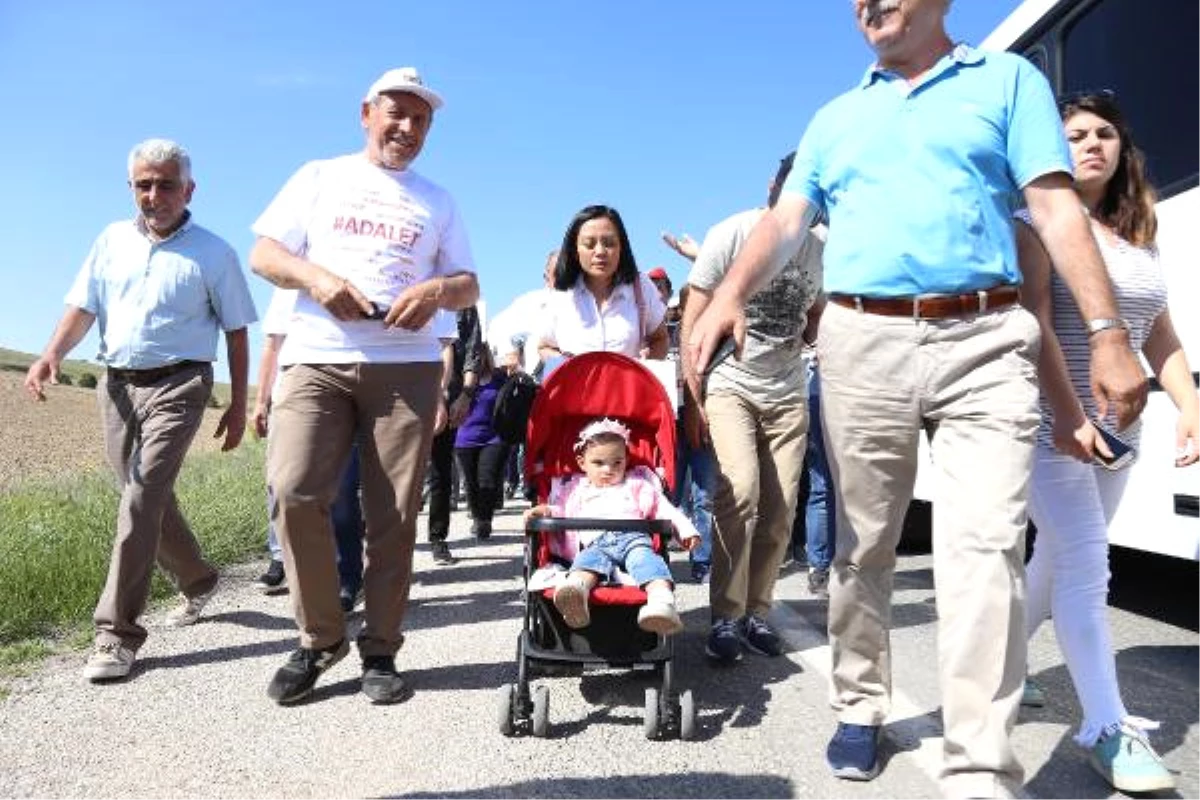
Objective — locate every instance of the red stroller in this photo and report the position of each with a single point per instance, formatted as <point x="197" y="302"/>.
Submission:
<point x="586" y="387"/>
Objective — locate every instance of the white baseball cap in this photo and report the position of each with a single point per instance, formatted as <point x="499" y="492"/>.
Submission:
<point x="404" y="79"/>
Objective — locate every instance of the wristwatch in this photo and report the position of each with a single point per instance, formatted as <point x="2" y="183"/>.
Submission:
<point x="1096" y="325"/>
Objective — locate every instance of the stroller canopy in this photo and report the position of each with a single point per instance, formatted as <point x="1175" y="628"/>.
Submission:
<point x="593" y="385"/>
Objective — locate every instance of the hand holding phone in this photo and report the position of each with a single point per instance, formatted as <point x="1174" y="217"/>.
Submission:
<point x="1122" y="454"/>
<point x="378" y="311"/>
<point x="724" y="350"/>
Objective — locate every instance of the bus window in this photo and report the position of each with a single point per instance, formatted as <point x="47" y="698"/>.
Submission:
<point x="1155" y="78"/>
<point x="1037" y="56"/>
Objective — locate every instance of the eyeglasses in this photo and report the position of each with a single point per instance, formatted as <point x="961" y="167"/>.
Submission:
<point x="162" y="184"/>
<point x="1080" y="95"/>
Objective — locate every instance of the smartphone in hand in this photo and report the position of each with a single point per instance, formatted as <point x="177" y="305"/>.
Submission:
<point x="725" y="348"/>
<point x="1122" y="454"/>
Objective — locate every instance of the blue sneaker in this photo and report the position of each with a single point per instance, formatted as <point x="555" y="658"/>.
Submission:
<point x="853" y="752"/>
<point x="1126" y="760"/>
<point x="759" y="637"/>
<point x="724" y="642"/>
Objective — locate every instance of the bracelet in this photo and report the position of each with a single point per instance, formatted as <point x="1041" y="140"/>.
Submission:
<point x="1094" y="326"/>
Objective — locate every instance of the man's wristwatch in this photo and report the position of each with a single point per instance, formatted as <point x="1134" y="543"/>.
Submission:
<point x="1094" y="326"/>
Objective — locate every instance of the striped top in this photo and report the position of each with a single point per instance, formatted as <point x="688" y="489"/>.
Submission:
<point x="1141" y="294"/>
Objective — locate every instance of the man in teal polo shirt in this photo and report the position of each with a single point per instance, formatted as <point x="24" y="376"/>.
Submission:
<point x="918" y="169"/>
<point x="161" y="288"/>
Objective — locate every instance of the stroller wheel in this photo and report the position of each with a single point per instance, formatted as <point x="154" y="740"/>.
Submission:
<point x="687" y="716"/>
<point x="541" y="712"/>
<point x="652" y="718"/>
<point x="505" y="698"/>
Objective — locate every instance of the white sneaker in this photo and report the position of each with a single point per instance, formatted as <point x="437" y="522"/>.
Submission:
<point x="571" y="600"/>
<point x="108" y="661"/>
<point x="189" y="611"/>
<point x="659" y="616"/>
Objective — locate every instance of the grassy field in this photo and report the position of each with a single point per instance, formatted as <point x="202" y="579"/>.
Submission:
<point x="57" y="539"/>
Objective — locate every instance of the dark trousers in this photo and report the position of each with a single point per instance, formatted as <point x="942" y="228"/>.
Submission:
<point x="348" y="527"/>
<point x="441" y="484"/>
<point x="482" y="471"/>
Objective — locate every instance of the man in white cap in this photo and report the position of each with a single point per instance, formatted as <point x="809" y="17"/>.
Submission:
<point x="375" y="250"/>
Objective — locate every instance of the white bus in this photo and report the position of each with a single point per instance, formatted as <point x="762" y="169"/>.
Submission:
<point x="1146" y="51"/>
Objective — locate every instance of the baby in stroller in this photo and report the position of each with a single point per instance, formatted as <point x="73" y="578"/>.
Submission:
<point x="607" y="490"/>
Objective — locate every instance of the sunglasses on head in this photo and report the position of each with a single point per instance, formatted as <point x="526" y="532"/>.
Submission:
<point x="1072" y="98"/>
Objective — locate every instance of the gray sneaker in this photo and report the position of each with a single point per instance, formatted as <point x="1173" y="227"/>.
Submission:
<point x="108" y="662"/>
<point x="818" y="582"/>
<point x="188" y="612"/>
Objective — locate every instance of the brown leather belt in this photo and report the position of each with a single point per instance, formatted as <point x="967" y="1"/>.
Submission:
<point x="146" y="377"/>
<point x="932" y="306"/>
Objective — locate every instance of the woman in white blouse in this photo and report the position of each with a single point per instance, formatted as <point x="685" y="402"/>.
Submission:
<point x="602" y="301"/>
<point x="1072" y="499"/>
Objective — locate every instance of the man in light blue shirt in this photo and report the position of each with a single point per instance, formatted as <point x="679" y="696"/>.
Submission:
<point x="161" y="288"/>
<point x="918" y="169"/>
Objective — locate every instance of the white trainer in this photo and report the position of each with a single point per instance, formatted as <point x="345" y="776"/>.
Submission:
<point x="108" y="661"/>
<point x="188" y="612"/>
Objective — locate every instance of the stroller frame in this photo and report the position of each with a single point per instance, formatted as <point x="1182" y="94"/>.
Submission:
<point x="546" y="645"/>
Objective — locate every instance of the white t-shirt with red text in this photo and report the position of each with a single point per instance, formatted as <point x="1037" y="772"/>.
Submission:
<point x="383" y="230"/>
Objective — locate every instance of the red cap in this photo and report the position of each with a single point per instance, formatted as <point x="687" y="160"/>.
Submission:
<point x="658" y="274"/>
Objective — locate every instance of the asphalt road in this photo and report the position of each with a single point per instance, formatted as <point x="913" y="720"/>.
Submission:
<point x="194" y="721"/>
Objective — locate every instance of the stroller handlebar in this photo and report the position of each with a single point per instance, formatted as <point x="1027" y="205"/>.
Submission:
<point x="547" y="524"/>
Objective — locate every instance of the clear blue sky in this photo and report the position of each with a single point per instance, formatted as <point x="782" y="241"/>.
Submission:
<point x="675" y="113"/>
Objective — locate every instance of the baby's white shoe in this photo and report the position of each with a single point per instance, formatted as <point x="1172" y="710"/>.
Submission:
<point x="571" y="600"/>
<point x="659" y="616"/>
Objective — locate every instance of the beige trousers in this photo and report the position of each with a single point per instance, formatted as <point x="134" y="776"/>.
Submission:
<point x="971" y="384"/>
<point x="147" y="432"/>
<point x="760" y="455"/>
<point x="312" y="429"/>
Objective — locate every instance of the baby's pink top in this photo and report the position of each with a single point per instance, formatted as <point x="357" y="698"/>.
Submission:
<point x="636" y="497"/>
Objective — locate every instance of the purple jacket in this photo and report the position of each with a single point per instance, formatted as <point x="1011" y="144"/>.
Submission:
<point x="476" y="430"/>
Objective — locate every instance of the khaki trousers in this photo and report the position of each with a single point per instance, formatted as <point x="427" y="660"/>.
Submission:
<point x="147" y="432"/>
<point x="760" y="455"/>
<point x="312" y="428"/>
<point x="971" y="383"/>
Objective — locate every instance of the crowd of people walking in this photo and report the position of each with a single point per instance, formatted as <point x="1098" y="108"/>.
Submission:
<point x="825" y="331"/>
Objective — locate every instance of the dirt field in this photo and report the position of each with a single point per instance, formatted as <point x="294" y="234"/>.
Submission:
<point x="60" y="436"/>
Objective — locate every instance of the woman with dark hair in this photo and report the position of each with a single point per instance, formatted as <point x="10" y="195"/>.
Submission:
<point x="603" y="302"/>
<point x="1073" y="494"/>
<point x="480" y="451"/>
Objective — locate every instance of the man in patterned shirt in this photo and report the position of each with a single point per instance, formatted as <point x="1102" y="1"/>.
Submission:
<point x="754" y="404"/>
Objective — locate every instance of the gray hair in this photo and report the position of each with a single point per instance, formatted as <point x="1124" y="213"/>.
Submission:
<point x="161" y="151"/>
